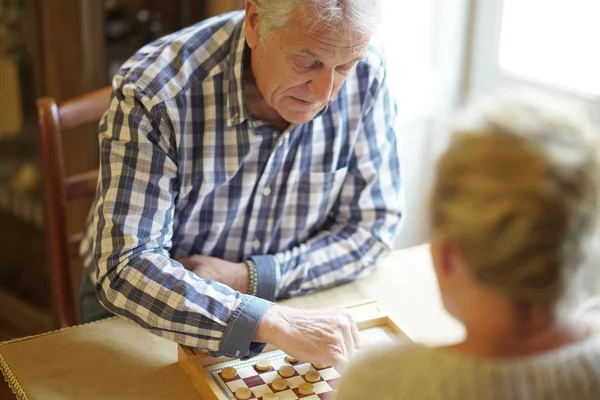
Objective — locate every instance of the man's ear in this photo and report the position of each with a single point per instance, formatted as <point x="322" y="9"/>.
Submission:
<point x="252" y="24"/>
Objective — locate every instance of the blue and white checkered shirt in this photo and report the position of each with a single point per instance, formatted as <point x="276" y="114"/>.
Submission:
<point x="184" y="169"/>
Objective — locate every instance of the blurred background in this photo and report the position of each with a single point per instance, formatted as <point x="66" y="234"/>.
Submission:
<point x="441" y="53"/>
<point x="59" y="48"/>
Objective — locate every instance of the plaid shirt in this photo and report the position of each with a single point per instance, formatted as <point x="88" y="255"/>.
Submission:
<point x="184" y="169"/>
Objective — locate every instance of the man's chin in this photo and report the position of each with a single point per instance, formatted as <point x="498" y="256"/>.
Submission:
<point x="300" y="117"/>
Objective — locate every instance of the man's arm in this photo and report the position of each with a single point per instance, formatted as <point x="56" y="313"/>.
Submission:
<point x="137" y="279"/>
<point x="363" y="221"/>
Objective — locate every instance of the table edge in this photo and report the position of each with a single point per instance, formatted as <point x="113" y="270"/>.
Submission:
<point x="67" y="328"/>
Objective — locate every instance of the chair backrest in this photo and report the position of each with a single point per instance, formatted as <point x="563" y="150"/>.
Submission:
<point x="53" y="120"/>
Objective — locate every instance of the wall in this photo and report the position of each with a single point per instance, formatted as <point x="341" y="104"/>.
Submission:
<point x="416" y="165"/>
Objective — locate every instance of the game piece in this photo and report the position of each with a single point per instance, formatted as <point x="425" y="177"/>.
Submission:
<point x="229" y="373"/>
<point x="291" y="359"/>
<point x="320" y="366"/>
<point x="279" y="384"/>
<point x="263" y="365"/>
<point x="270" y="396"/>
<point x="305" y="388"/>
<point x="286" y="371"/>
<point x="243" y="393"/>
<point x="312" y="376"/>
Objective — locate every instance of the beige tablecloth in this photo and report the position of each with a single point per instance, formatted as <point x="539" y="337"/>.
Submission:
<point x="114" y="359"/>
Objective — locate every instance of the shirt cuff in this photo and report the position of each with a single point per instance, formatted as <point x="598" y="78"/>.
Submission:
<point x="266" y="268"/>
<point x="237" y="337"/>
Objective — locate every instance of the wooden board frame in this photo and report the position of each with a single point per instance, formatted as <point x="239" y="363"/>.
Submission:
<point x="366" y="315"/>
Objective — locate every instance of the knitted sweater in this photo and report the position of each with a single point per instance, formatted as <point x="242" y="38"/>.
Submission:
<point x="410" y="371"/>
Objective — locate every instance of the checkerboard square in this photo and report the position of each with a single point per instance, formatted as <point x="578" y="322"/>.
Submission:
<point x="234" y="385"/>
<point x="295" y="381"/>
<point x="269" y="376"/>
<point x="247" y="372"/>
<point x="321" y="387"/>
<point x="303" y="368"/>
<point x="287" y="395"/>
<point x="329" y="373"/>
<point x="252" y="381"/>
<point x="332" y="383"/>
<point x="261" y="390"/>
<point x="275" y="364"/>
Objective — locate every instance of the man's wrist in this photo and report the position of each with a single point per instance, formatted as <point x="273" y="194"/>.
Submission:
<point x="269" y="325"/>
<point x="238" y="339"/>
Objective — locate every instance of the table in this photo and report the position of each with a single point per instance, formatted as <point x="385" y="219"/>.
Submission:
<point x="405" y="285"/>
<point x="114" y="359"/>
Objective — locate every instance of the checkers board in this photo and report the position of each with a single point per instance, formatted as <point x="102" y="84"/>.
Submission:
<point x="206" y="372"/>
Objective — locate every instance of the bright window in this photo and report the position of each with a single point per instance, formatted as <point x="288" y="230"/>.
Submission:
<point x="553" y="42"/>
<point x="407" y="35"/>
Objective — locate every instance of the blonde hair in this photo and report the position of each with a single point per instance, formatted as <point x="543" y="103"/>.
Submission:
<point x="517" y="192"/>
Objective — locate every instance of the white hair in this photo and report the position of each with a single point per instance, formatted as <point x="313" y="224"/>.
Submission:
<point x="358" y="16"/>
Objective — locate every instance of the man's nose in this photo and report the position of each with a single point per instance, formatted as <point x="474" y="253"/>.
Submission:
<point x="322" y="84"/>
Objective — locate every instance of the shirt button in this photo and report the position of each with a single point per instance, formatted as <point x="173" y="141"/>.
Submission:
<point x="267" y="191"/>
<point x="256" y="244"/>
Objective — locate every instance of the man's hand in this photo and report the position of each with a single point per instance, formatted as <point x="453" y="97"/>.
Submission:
<point x="324" y="336"/>
<point x="234" y="275"/>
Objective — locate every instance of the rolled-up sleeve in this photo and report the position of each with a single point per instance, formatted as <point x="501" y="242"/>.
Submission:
<point x="134" y="210"/>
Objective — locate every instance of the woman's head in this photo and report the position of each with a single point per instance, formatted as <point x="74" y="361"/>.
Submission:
<point x="515" y="200"/>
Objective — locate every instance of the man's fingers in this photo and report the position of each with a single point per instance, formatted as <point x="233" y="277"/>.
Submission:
<point x="348" y="340"/>
<point x="355" y="334"/>
<point x="351" y="334"/>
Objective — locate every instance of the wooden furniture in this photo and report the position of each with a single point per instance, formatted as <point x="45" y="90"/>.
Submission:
<point x="222" y="6"/>
<point x="63" y="49"/>
<point x="113" y="359"/>
<point x="53" y="120"/>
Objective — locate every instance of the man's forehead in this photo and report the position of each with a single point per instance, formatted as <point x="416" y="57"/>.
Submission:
<point x="354" y="56"/>
<point x="328" y="41"/>
<point x="332" y="37"/>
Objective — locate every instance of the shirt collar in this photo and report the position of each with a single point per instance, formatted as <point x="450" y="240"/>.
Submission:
<point x="236" y="105"/>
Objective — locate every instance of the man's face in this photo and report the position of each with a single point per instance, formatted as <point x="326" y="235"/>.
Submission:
<point x="299" y="70"/>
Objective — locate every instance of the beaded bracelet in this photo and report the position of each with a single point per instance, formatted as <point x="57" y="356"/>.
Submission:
<point x="252" y="278"/>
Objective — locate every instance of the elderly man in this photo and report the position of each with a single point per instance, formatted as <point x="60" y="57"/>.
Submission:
<point x="245" y="159"/>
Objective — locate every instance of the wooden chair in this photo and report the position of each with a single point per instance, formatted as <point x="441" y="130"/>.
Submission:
<point x="53" y="120"/>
